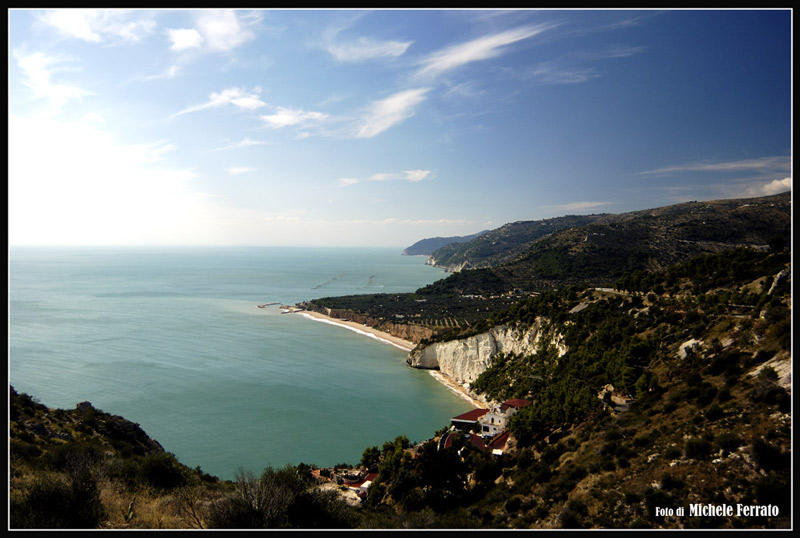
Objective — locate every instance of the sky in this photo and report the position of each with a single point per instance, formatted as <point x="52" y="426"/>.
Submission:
<point x="382" y="127"/>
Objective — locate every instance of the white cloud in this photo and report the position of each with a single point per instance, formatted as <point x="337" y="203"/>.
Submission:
<point x="764" y="163"/>
<point x="73" y="22"/>
<point x="416" y="175"/>
<point x="248" y="102"/>
<point x="413" y="176"/>
<point x="578" y="206"/>
<point x="222" y="30"/>
<point x="155" y="152"/>
<point x="168" y="73"/>
<point x="777" y="186"/>
<point x="37" y="69"/>
<point x="482" y="48"/>
<point x="554" y="73"/>
<point x="93" y="117"/>
<point x="388" y="112"/>
<point x="244" y="143"/>
<point x="233" y="96"/>
<point x="184" y="39"/>
<point x="96" y="25"/>
<point x="285" y="117"/>
<point x="346" y="181"/>
<point x="365" y="48"/>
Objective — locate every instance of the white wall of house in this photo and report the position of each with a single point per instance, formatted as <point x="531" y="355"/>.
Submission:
<point x="495" y="421"/>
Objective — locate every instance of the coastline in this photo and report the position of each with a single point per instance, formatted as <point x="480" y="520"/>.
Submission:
<point x="362" y="329"/>
<point x="405" y="345"/>
<point x="462" y="393"/>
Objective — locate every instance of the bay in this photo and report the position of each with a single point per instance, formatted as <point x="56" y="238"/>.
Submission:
<point x="171" y="338"/>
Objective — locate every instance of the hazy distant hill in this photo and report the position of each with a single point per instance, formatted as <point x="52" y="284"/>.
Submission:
<point x="425" y="246"/>
<point x="603" y="247"/>
<point x="502" y="244"/>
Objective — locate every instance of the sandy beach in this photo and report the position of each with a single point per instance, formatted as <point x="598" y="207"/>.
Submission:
<point x="397" y="342"/>
<point x="363" y="329"/>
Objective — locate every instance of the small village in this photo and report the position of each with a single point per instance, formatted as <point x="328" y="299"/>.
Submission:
<point x="484" y="429"/>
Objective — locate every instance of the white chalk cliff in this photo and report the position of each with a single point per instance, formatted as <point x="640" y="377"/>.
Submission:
<point x="465" y="359"/>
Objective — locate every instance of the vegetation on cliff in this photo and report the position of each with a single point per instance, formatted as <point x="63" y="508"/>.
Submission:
<point x="664" y="399"/>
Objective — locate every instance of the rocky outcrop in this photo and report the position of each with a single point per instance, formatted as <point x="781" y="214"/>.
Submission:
<point x="451" y="268"/>
<point x="465" y="359"/>
<point x="34" y="422"/>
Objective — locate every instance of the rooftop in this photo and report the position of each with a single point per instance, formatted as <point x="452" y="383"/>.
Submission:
<point x="471" y="416"/>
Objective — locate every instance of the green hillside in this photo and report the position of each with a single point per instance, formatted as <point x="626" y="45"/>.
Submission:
<point x="502" y="244"/>
<point x="599" y="252"/>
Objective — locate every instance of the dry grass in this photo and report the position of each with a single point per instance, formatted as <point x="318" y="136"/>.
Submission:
<point x="181" y="508"/>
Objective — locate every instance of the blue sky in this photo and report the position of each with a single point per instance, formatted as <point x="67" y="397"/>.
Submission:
<point x="380" y="128"/>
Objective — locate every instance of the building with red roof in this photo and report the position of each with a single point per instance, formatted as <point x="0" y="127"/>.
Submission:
<point x="514" y="403"/>
<point x="468" y="420"/>
<point x="496" y="420"/>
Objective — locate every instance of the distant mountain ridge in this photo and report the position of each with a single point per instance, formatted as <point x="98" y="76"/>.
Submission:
<point x="597" y="249"/>
<point x="425" y="247"/>
<point x="502" y="244"/>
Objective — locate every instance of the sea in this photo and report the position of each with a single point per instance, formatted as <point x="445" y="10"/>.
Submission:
<point x="173" y="339"/>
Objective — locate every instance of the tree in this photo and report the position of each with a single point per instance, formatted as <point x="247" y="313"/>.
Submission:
<point x="776" y="243"/>
<point x="370" y="457"/>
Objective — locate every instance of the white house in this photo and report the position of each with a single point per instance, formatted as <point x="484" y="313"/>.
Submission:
<point x="496" y="420"/>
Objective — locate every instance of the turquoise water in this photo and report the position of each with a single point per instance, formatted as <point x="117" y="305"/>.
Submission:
<point x="172" y="339"/>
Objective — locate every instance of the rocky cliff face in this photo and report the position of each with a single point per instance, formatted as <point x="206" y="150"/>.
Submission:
<point x="451" y="268"/>
<point x="465" y="359"/>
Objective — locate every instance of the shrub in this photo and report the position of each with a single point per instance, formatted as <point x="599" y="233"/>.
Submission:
<point x="279" y="499"/>
<point x="766" y="390"/>
<point x="513" y="504"/>
<point x="728" y="441"/>
<point x="70" y="455"/>
<point x="770" y="457"/>
<point x="162" y="470"/>
<point x="776" y="489"/>
<point x="697" y="448"/>
<point x="669" y="482"/>
<point x="713" y="412"/>
<point x="24" y="450"/>
<point x="53" y="503"/>
<point x="568" y="519"/>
